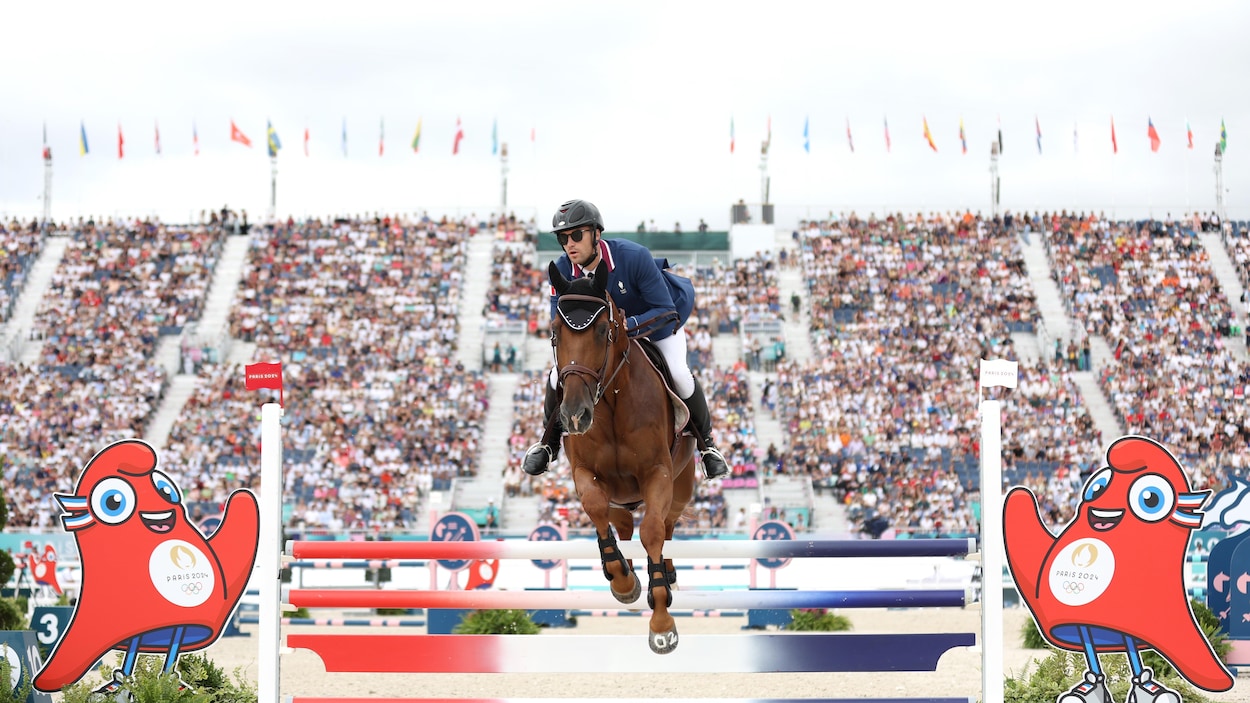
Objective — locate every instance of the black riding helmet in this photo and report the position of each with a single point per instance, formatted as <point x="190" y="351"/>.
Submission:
<point x="576" y="213"/>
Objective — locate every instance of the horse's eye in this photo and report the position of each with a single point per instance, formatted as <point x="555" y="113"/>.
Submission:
<point x="602" y="331"/>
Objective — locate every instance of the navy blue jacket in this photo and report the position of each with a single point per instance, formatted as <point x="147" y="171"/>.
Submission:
<point x="640" y="284"/>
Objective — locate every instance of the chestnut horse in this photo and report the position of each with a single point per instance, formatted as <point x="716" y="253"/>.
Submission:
<point x="624" y="442"/>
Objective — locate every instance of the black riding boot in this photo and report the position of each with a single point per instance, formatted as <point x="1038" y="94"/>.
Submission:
<point x="714" y="465"/>
<point x="543" y="453"/>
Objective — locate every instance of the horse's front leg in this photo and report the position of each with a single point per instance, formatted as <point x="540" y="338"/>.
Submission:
<point x="624" y="585"/>
<point x="658" y="493"/>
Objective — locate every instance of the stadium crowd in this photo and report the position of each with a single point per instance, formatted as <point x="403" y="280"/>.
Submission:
<point x="902" y="310"/>
<point x="364" y="313"/>
<point x="1149" y="289"/>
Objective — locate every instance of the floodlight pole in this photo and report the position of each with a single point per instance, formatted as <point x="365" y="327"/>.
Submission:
<point x="273" y="187"/>
<point x="1219" y="182"/>
<point x="764" y="172"/>
<point x="994" y="179"/>
<point x="503" y="179"/>
<point x="47" y="189"/>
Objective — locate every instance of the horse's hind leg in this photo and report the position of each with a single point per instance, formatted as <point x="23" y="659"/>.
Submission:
<point x="624" y="585"/>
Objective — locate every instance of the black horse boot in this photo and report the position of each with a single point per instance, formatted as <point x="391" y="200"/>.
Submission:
<point x="714" y="465"/>
<point x="538" y="456"/>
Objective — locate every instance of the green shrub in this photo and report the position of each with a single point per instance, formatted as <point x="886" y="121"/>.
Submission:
<point x="817" y="620"/>
<point x="1058" y="672"/>
<point x="23" y="688"/>
<point x="205" y="681"/>
<point x="497" y="622"/>
<point x="11" y="616"/>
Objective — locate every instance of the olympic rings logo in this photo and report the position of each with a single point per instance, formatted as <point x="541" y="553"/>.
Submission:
<point x="192" y="588"/>
<point x="1073" y="587"/>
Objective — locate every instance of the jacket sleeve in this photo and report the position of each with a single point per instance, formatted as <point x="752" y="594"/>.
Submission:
<point x="656" y="296"/>
<point x="566" y="268"/>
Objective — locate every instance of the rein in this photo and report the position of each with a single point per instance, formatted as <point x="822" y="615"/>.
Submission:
<point x="585" y="371"/>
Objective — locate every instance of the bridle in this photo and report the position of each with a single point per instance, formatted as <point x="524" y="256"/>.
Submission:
<point x="587" y="374"/>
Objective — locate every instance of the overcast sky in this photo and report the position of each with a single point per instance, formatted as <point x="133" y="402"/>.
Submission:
<point x="630" y="105"/>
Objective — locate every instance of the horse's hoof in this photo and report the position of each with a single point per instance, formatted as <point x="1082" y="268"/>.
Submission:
<point x="663" y="642"/>
<point x="632" y="595"/>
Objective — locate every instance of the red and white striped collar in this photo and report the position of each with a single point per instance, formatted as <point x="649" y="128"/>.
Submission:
<point x="604" y="252"/>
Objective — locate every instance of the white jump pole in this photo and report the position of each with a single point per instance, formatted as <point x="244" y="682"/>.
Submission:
<point x="269" y="556"/>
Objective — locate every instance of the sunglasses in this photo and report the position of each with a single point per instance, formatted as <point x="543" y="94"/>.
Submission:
<point x="576" y="235"/>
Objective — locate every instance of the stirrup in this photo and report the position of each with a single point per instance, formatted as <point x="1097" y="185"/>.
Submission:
<point x="532" y="468"/>
<point x="714" y="464"/>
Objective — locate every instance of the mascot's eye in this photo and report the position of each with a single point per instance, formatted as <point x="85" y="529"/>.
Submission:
<point x="112" y="501"/>
<point x="165" y="486"/>
<point x="1151" y="498"/>
<point x="1096" y="485"/>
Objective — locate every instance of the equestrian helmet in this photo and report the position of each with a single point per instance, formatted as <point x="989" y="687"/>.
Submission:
<point x="576" y="213"/>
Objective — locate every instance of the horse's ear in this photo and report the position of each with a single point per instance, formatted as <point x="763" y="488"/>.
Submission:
<point x="601" y="279"/>
<point x="558" y="281"/>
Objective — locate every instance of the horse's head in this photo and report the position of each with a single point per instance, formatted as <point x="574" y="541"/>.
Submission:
<point x="586" y="328"/>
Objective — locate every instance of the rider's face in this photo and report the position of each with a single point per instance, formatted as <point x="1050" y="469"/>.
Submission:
<point x="580" y="252"/>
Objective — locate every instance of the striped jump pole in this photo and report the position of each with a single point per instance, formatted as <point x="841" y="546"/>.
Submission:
<point x="679" y="567"/>
<point x="357" y="564"/>
<point x="678" y="549"/>
<point x="505" y="654"/>
<point x="339" y="622"/>
<point x="647" y="613"/>
<point x="593" y="600"/>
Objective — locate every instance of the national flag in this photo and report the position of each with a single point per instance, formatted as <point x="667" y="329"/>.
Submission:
<point x="344" y="136"/>
<point x="1189" y="134"/>
<point x="47" y="150"/>
<point x="807" y="144"/>
<point x="1115" y="146"/>
<point x="237" y="135"/>
<point x="494" y="137"/>
<point x="1000" y="134"/>
<point x="416" y="138"/>
<point x="1153" y="134"/>
<point x="262" y="375"/>
<point x="849" y="141"/>
<point x="455" y="145"/>
<point x="195" y="138"/>
<point x="83" y="150"/>
<point x="158" y="139"/>
<point x="534" y="135"/>
<point x="887" y="134"/>
<point x="1037" y="123"/>
<point x="272" y="137"/>
<point x="306" y="140"/>
<point x="731" y="135"/>
<point x="1223" y="137"/>
<point x="928" y="136"/>
<point x="121" y="142"/>
<point x="963" y="138"/>
<point x="381" y="136"/>
<point x="768" y="138"/>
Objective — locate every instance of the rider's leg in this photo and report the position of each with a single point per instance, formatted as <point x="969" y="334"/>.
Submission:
<point x="687" y="386"/>
<point x="538" y="456"/>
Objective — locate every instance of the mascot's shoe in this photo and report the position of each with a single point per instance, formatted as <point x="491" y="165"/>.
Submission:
<point x="1092" y="690"/>
<point x="1147" y="690"/>
<point x="714" y="465"/>
<point x="537" y="457"/>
